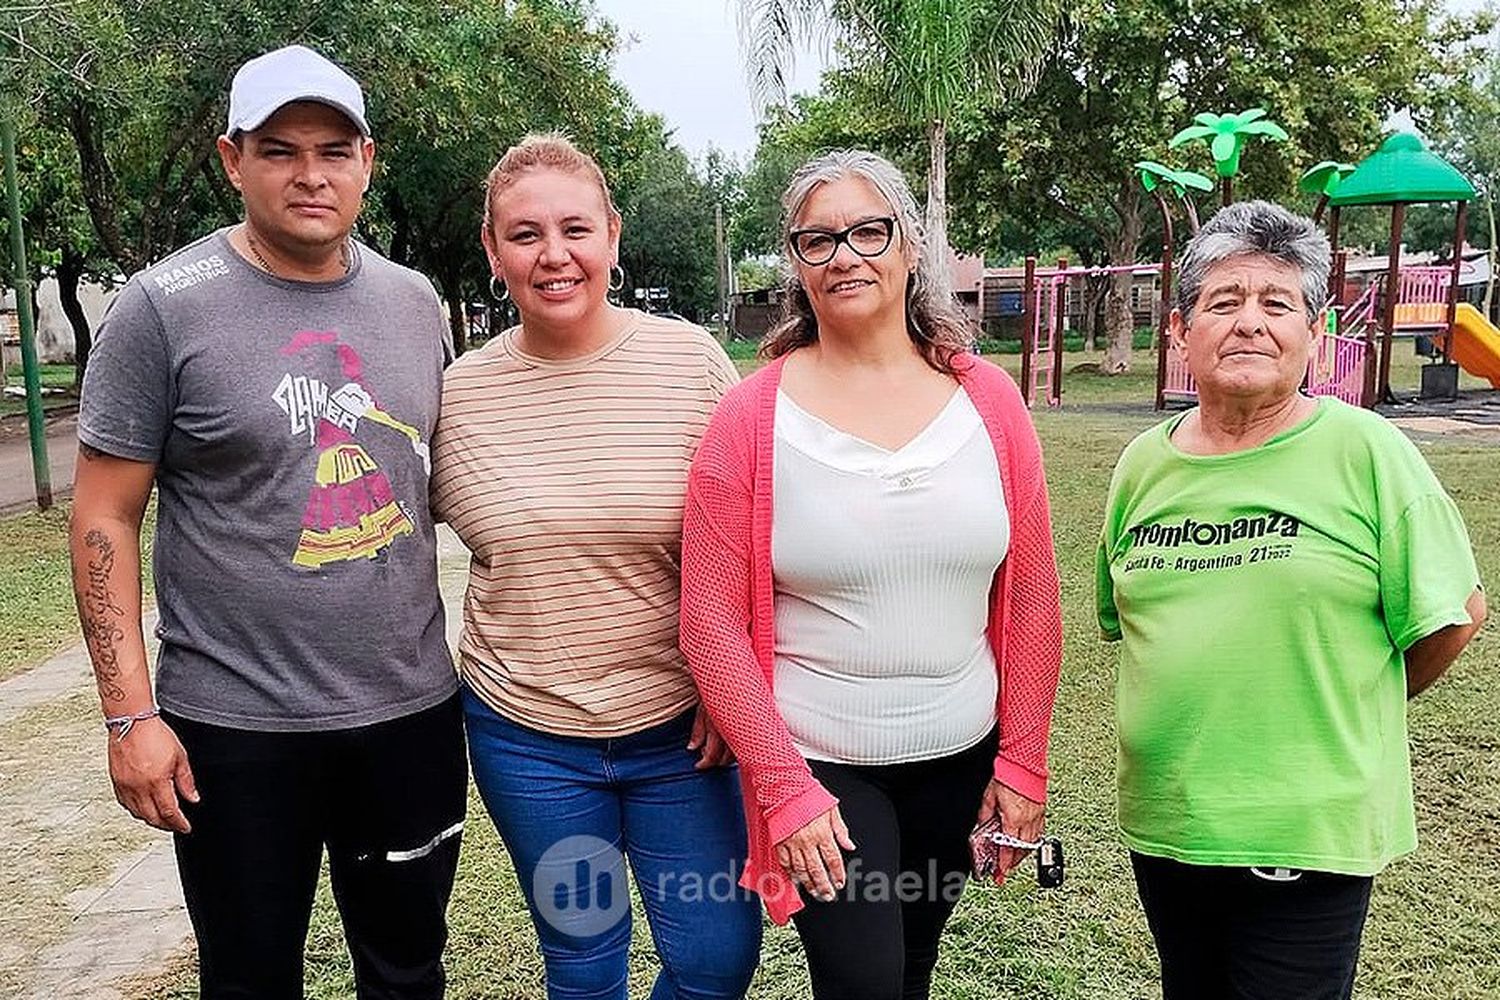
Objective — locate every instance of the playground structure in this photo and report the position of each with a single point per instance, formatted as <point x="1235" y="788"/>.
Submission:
<point x="1043" y="320"/>
<point x="1351" y="360"/>
<point x="1343" y="361"/>
<point x="1404" y="172"/>
<point x="1476" y="344"/>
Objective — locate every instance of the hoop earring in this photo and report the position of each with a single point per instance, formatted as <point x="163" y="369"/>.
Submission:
<point x="614" y="285"/>
<point x="502" y="294"/>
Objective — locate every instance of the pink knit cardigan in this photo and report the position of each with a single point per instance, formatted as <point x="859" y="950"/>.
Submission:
<point x="728" y="614"/>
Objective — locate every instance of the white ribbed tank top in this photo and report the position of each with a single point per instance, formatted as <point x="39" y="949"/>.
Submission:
<point x="883" y="564"/>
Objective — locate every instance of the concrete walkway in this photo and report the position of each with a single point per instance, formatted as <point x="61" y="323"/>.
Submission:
<point x="17" y="485"/>
<point x="92" y="901"/>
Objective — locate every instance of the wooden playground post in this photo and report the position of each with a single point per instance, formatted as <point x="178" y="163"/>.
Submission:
<point x="1336" y="279"/>
<point x="1339" y="270"/>
<point x="1060" y="306"/>
<point x="1458" y="260"/>
<point x="1380" y="391"/>
<point x="979" y="304"/>
<point x="1392" y="296"/>
<point x="1166" y="314"/>
<point x="1028" y="311"/>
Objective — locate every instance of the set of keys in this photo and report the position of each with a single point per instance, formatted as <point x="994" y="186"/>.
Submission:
<point x="985" y="843"/>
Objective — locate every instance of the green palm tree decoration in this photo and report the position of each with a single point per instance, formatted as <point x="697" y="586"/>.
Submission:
<point x="1155" y="175"/>
<point x="1226" y="136"/>
<point x="1321" y="181"/>
<point x="924" y="57"/>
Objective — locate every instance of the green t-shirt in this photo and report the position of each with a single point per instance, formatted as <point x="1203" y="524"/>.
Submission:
<point x="1265" y="598"/>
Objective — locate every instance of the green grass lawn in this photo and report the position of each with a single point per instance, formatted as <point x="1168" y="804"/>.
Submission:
<point x="35" y="591"/>
<point x="37" y="617"/>
<point x="1432" y="927"/>
<point x="52" y="377"/>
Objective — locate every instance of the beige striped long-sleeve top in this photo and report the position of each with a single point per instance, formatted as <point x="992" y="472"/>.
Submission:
<point x="565" y="479"/>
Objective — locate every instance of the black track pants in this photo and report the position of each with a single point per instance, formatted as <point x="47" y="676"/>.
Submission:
<point x="386" y="800"/>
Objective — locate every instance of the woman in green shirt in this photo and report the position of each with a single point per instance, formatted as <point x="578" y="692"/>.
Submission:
<point x="1284" y="573"/>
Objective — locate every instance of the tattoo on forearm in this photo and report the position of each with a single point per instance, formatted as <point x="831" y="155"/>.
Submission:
<point x="102" y="616"/>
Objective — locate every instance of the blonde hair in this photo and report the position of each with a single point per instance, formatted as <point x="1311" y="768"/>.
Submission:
<point x="542" y="151"/>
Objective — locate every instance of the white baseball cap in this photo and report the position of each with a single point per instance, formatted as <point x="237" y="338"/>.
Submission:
<point x="296" y="73"/>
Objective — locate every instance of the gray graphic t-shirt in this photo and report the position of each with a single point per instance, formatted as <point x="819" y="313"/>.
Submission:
<point x="295" y="557"/>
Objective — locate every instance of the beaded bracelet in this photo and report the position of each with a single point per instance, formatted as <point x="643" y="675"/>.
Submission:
<point x="125" y="723"/>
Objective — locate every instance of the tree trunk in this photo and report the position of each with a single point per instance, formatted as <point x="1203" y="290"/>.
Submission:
<point x="1192" y="213"/>
<point x="69" y="274"/>
<point x="458" y="319"/>
<point x="1318" y="212"/>
<point x="1119" y="321"/>
<point x="400" y="228"/>
<point x="99" y="191"/>
<point x="937" y="209"/>
<point x="1095" y="289"/>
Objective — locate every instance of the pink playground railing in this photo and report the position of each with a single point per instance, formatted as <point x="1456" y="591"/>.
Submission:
<point x="1354" y="318"/>
<point x="1044" y="319"/>
<point x="1178" y="384"/>
<point x="1422" y="299"/>
<point x="1337" y="364"/>
<point x="1337" y="368"/>
<point x="1046" y="308"/>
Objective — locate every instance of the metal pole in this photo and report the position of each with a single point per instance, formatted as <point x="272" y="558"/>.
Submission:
<point x="36" y="426"/>
<point x="721" y="272"/>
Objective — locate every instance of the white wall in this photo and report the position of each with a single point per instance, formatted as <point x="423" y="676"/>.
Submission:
<point x="54" y="334"/>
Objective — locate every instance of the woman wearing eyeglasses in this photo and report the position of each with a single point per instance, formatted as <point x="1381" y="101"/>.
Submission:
<point x="869" y="594"/>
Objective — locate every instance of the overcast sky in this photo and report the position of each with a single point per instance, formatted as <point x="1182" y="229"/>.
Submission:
<point x="682" y="59"/>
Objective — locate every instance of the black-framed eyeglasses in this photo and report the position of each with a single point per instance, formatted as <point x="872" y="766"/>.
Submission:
<point x="816" y="247"/>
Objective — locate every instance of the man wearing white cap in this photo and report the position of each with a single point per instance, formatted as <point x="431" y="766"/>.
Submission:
<point x="278" y="384"/>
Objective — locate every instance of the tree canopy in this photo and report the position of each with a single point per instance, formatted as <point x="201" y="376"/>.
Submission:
<point x="927" y="61"/>
<point x="126" y="98"/>
<point x="1123" y="78"/>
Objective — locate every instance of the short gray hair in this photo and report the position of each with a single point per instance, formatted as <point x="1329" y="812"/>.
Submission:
<point x="1261" y="228"/>
<point x="936" y="325"/>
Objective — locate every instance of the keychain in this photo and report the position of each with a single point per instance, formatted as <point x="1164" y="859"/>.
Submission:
<point x="984" y="844"/>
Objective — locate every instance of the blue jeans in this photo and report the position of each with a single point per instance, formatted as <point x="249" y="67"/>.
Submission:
<point x="573" y="811"/>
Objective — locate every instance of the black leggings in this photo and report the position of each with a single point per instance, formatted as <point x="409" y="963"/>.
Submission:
<point x="878" y="938"/>
<point x="387" y="800"/>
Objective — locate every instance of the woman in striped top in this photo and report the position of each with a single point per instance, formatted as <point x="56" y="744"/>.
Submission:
<point x="869" y="594"/>
<point x="561" y="459"/>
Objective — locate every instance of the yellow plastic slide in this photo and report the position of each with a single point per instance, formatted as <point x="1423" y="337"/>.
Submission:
<point x="1476" y="344"/>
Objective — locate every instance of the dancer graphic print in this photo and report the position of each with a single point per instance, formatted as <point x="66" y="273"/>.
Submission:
<point x="351" y="511"/>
